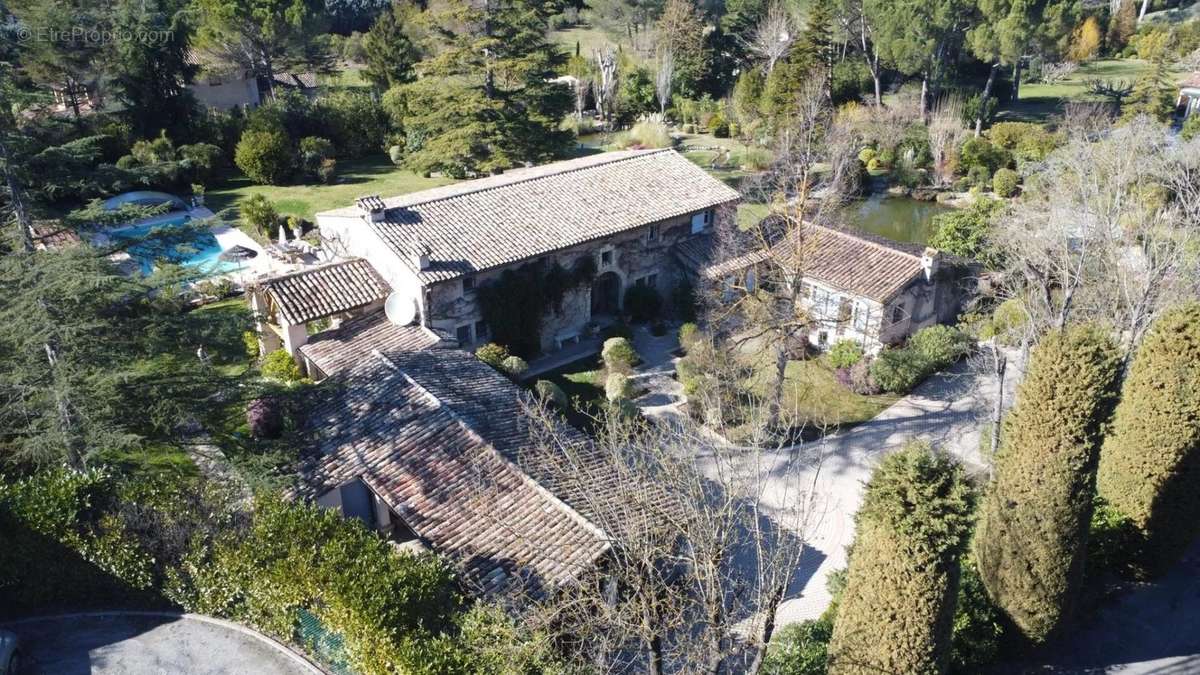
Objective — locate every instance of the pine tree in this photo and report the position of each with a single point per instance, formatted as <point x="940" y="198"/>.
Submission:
<point x="1152" y="95"/>
<point x="150" y="75"/>
<point x="681" y="32"/>
<point x="896" y="613"/>
<point x="1031" y="540"/>
<point x="486" y="101"/>
<point x="1150" y="463"/>
<point x="810" y="58"/>
<point x="390" y="54"/>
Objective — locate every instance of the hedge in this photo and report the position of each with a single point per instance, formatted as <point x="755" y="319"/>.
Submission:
<point x="619" y="355"/>
<point x="1031" y="541"/>
<point x="1151" y="459"/>
<point x="896" y="613"/>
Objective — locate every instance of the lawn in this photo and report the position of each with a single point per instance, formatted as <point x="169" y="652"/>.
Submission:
<point x="580" y="381"/>
<point x="814" y="398"/>
<point x="1039" y="102"/>
<point x="355" y="178"/>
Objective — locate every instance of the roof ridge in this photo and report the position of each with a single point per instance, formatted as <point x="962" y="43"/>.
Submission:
<point x="566" y="508"/>
<point x="635" y="154"/>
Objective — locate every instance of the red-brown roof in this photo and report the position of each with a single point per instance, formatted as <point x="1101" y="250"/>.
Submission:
<point x="325" y="291"/>
<point x="334" y="351"/>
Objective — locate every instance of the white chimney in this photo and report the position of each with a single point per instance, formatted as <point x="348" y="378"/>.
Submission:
<point x="421" y="255"/>
<point x="372" y="208"/>
<point x="930" y="261"/>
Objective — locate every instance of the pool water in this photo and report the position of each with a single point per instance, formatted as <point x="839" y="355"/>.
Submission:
<point x="198" y="250"/>
<point x="897" y="218"/>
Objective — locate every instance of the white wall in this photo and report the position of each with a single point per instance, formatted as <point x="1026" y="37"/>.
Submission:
<point x="225" y="93"/>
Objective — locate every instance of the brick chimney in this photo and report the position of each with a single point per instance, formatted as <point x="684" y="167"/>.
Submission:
<point x="371" y="207"/>
<point x="930" y="261"/>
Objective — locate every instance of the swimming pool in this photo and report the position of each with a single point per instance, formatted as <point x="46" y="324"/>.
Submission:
<point x="198" y="250"/>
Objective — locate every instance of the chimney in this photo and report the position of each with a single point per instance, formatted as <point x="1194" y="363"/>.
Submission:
<point x="930" y="261"/>
<point x="372" y="208"/>
<point x="421" y="255"/>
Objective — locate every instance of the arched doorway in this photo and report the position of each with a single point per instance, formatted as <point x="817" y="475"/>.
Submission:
<point x="606" y="294"/>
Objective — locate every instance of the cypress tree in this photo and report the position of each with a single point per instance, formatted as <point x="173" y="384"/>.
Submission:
<point x="1150" y="463"/>
<point x="897" y="611"/>
<point x="1032" y="535"/>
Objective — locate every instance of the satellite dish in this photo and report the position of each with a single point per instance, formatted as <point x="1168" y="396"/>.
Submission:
<point x="400" y="309"/>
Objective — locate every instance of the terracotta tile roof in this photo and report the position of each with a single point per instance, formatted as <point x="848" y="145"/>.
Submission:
<point x="865" y="265"/>
<point x="453" y="488"/>
<point x="334" y="351"/>
<point x="325" y="291"/>
<point x="524" y="213"/>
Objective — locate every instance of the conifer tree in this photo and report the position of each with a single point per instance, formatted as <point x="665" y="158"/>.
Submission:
<point x="486" y="100"/>
<point x="896" y="613"/>
<point x="390" y="54"/>
<point x="1031" y="540"/>
<point x="1150" y="463"/>
<point x="811" y="57"/>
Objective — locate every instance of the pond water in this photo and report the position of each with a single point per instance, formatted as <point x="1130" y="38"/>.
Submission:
<point x="897" y="218"/>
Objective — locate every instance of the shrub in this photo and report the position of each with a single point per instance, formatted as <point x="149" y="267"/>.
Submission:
<point x="874" y="164"/>
<point x="978" y="624"/>
<point x="618" y="387"/>
<point x="799" y="649"/>
<point x="861" y="380"/>
<point x="898" y="370"/>
<point x="939" y="346"/>
<point x="492" y="354"/>
<point x="646" y="134"/>
<point x="265" y="417"/>
<point x="689" y="376"/>
<point x="327" y="170"/>
<point x="967" y="232"/>
<point x="1191" y="127"/>
<point x="845" y="353"/>
<point x="752" y="159"/>
<point x="259" y="212"/>
<point x="618" y="354"/>
<point x="689" y="333"/>
<point x="265" y="156"/>
<point x="979" y="177"/>
<point x="279" y="365"/>
<point x="396" y="154"/>
<point x="979" y="152"/>
<point x="718" y="127"/>
<point x="1030" y="542"/>
<point x="642" y="303"/>
<point x="909" y="533"/>
<point x="1152" y="455"/>
<point x="315" y="145"/>
<point x="1004" y="182"/>
<point x="514" y="366"/>
<point x="548" y="391"/>
<point x="200" y="159"/>
<point x="683" y="301"/>
<point x="253" y="347"/>
<point x="866" y="155"/>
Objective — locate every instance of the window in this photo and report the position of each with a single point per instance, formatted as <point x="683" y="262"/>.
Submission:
<point x="898" y="313"/>
<point x="699" y="220"/>
<point x="468" y="285"/>
<point x="652" y="234"/>
<point x="861" y="312"/>
<point x="481" y="330"/>
<point x="823" y="338"/>
<point x="463" y="333"/>
<point x="606" y="258"/>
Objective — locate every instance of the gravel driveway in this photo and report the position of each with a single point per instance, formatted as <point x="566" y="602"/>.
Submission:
<point x="141" y="643"/>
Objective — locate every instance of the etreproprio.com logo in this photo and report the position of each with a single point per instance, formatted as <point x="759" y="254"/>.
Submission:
<point x="84" y="35"/>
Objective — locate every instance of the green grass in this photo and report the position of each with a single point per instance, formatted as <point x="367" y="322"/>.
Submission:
<point x="581" y="381"/>
<point x="1039" y="102"/>
<point x="814" y="398"/>
<point x="590" y="39"/>
<point x="374" y="175"/>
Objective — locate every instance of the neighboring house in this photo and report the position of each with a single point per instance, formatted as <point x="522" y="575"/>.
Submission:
<point x="1189" y="96"/>
<point x="222" y="87"/>
<point x="856" y="286"/>
<point x="623" y="210"/>
<point x="432" y="448"/>
<point x="289" y="308"/>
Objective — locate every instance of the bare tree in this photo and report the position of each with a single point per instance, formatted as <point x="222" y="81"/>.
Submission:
<point x="772" y="38"/>
<point x="1107" y="231"/>
<point x="664" y="77"/>
<point x="852" y="16"/>
<point x="702" y="553"/>
<point x="946" y="133"/>
<point x="755" y="291"/>
<point x="605" y="86"/>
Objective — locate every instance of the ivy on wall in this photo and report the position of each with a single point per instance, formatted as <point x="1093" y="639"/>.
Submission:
<point x="513" y="304"/>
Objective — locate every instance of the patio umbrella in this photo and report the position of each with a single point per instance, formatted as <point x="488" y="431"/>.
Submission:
<point x="282" y="236"/>
<point x="238" y="254"/>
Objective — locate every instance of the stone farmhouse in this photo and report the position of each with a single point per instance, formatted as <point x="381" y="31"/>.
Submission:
<point x="432" y="448"/>
<point x="620" y="214"/>
<point x="856" y="286"/>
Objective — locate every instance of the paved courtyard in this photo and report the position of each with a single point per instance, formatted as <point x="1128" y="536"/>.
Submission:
<point x="137" y="643"/>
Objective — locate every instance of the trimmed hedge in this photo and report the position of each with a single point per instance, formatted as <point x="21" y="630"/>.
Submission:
<point x="548" y="391"/>
<point x="279" y="365"/>
<point x="619" y="355"/>
<point x="1032" y="536"/>
<point x="1151" y="458"/>
<point x="845" y="353"/>
<point x="896" y="613"/>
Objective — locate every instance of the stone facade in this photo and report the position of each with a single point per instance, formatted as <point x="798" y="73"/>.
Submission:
<point x="642" y="255"/>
